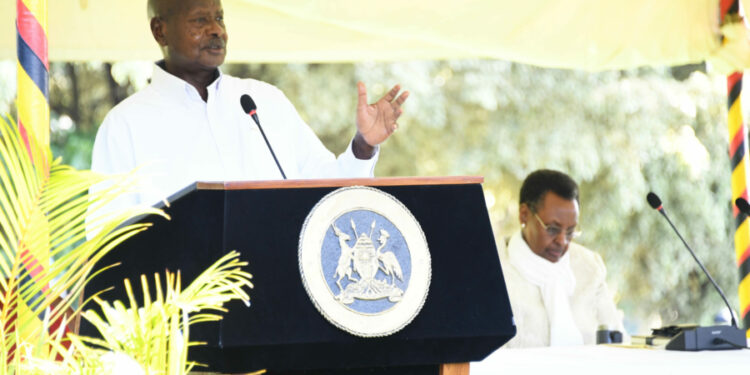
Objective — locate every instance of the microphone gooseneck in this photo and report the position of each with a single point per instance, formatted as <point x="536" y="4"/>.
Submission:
<point x="248" y="105"/>
<point x="655" y="202"/>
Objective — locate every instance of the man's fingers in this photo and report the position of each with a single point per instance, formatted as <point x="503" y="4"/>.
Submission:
<point x="361" y="94"/>
<point x="402" y="98"/>
<point x="392" y="94"/>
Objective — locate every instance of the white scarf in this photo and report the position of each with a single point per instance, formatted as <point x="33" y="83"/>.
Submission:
<point x="556" y="282"/>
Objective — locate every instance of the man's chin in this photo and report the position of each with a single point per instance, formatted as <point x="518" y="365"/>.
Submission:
<point x="553" y="255"/>
<point x="213" y="60"/>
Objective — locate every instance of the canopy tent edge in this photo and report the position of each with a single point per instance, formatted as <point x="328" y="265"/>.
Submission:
<point x="569" y="34"/>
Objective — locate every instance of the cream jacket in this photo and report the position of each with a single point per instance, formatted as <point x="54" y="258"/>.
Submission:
<point x="591" y="303"/>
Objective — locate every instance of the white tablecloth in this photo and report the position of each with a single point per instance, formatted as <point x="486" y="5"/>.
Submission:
<point x="612" y="360"/>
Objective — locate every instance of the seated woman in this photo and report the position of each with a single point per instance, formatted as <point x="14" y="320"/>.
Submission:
<point x="557" y="288"/>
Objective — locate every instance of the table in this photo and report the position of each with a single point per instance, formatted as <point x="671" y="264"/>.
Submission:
<point x="603" y="359"/>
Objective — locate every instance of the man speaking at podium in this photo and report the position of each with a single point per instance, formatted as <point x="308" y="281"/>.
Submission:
<point x="557" y="288"/>
<point x="188" y="124"/>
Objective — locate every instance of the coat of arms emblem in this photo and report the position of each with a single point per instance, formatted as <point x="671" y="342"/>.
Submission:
<point x="364" y="261"/>
<point x="360" y="263"/>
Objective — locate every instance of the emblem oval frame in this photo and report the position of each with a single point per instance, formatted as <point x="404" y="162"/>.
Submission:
<point x="314" y="229"/>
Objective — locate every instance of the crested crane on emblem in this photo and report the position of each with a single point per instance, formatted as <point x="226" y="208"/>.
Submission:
<point x="364" y="260"/>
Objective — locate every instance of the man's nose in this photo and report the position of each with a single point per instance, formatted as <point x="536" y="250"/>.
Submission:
<point x="216" y="27"/>
<point x="562" y="238"/>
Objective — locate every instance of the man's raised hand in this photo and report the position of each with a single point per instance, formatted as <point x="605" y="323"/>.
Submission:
<point x="377" y="121"/>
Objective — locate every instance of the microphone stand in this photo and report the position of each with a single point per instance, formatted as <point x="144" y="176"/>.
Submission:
<point x="718" y="337"/>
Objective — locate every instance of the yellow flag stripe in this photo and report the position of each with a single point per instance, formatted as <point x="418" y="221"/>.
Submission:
<point x="745" y="294"/>
<point x="33" y="110"/>
<point x="735" y="117"/>
<point x="741" y="239"/>
<point x="739" y="176"/>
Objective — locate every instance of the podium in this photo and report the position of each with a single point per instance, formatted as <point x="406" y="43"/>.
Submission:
<point x="465" y="317"/>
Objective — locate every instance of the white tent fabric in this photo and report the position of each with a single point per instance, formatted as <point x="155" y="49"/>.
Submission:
<point x="584" y="34"/>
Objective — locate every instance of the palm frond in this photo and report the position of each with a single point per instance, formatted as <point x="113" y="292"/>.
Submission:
<point x="53" y="231"/>
<point x="47" y="248"/>
<point x="156" y="334"/>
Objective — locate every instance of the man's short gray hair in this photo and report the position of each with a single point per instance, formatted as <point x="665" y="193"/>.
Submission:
<point x="160" y="8"/>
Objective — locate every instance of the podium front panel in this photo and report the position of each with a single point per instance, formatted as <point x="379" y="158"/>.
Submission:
<point x="466" y="315"/>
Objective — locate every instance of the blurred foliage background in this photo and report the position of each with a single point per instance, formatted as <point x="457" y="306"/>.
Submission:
<point x="620" y="134"/>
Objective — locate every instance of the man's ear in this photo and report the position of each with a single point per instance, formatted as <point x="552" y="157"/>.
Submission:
<point x="523" y="213"/>
<point x="157" y="30"/>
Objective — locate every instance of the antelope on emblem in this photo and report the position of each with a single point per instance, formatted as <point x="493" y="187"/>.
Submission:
<point x="345" y="259"/>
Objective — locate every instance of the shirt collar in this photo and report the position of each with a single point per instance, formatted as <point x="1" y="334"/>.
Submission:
<point x="173" y="85"/>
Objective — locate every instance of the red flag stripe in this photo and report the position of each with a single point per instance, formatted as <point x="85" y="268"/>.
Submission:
<point x="32" y="266"/>
<point x="731" y="80"/>
<point x="32" y="32"/>
<point x="724" y="7"/>
<point x="737" y="140"/>
<point x="25" y="136"/>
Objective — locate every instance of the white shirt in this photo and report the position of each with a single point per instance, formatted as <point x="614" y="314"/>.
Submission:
<point x="591" y="303"/>
<point x="177" y="138"/>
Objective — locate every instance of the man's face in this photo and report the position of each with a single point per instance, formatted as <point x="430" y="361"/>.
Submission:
<point x="192" y="36"/>
<point x="560" y="216"/>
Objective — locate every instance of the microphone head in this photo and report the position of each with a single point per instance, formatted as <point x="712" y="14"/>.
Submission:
<point x="248" y="105"/>
<point x="742" y="205"/>
<point x="653" y="201"/>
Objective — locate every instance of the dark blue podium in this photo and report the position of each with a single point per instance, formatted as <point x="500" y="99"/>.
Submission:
<point x="465" y="317"/>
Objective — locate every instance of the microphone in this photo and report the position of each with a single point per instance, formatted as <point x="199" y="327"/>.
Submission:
<point x="655" y="202"/>
<point x="742" y="205"/>
<point x="701" y="338"/>
<point x="248" y="105"/>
